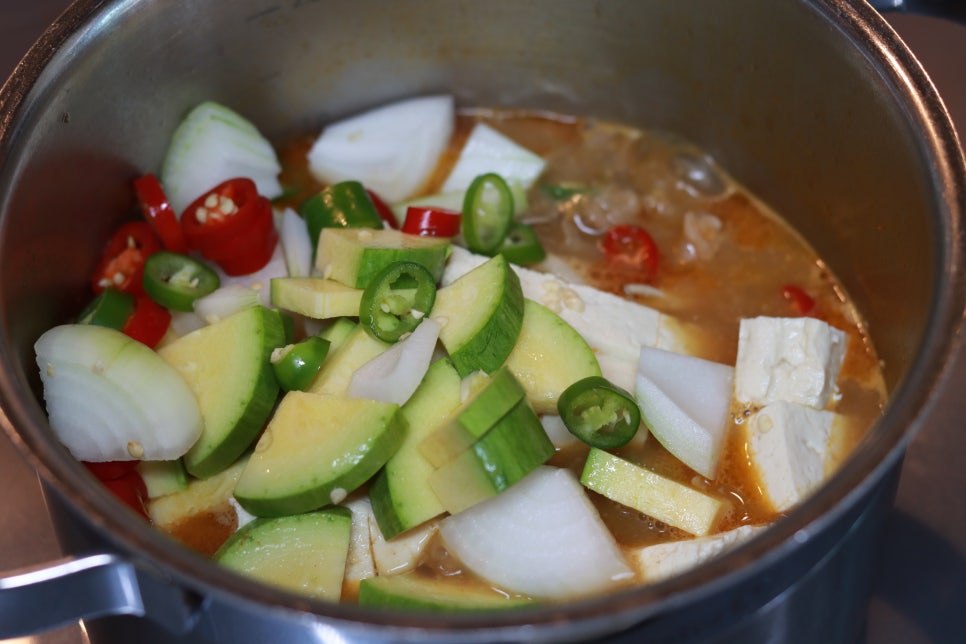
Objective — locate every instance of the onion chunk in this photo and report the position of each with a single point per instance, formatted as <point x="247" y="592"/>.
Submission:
<point x="111" y="398"/>
<point x="391" y="149"/>
<point x="542" y="537"/>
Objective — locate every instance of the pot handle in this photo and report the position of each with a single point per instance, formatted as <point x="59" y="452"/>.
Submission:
<point x="954" y="10"/>
<point x="62" y="592"/>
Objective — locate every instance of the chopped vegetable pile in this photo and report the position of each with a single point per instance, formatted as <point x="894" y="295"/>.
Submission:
<point x="431" y="368"/>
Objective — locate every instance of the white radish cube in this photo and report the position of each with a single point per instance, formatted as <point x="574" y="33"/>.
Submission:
<point x="542" y="537"/>
<point x="685" y="403"/>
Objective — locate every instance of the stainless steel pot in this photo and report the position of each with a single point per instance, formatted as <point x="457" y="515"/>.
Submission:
<point x="815" y="105"/>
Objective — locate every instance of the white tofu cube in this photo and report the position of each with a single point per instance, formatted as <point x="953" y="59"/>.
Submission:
<point x="615" y="328"/>
<point x="663" y="560"/>
<point x="791" y="359"/>
<point x="788" y="445"/>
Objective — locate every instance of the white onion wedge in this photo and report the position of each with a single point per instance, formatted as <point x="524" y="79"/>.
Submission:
<point x="487" y="150"/>
<point x="391" y="149"/>
<point x="296" y="244"/>
<point x="261" y="279"/>
<point x="184" y="322"/>
<point x="394" y="374"/>
<point x="213" y="144"/>
<point x="226" y="300"/>
<point x="112" y="398"/>
<point x="685" y="402"/>
<point x="542" y="537"/>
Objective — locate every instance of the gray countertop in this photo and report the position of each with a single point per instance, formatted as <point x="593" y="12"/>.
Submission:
<point x="921" y="581"/>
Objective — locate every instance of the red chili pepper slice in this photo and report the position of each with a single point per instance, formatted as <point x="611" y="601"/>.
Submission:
<point x="385" y="212"/>
<point x="157" y="211"/>
<point x="232" y="225"/>
<point x="801" y="302"/>
<point x="632" y="247"/>
<point x="122" y="264"/>
<point x="149" y="321"/>
<point x="427" y="221"/>
<point x="131" y="490"/>
<point x="110" y="470"/>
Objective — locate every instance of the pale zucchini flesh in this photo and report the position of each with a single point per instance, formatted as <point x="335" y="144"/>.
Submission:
<point x="549" y="356"/>
<point x="652" y="494"/>
<point x="354" y="256"/>
<point x="315" y="297"/>
<point x="499" y="394"/>
<point x="481" y="314"/>
<point x="227" y="365"/>
<point x="511" y="449"/>
<point x="401" y="495"/>
<point x="315" y="451"/>
<point x="412" y="591"/>
<point x="302" y="553"/>
<point x="353" y="350"/>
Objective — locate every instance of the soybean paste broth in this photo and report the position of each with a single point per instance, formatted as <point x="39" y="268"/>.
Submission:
<point x="723" y="256"/>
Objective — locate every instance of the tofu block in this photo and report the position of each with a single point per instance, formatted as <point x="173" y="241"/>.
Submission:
<point x="658" y="562"/>
<point x="788" y="359"/>
<point x="615" y="328"/>
<point x="788" y="445"/>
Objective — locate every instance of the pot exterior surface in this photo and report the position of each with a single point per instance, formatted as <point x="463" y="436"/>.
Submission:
<point x="798" y="100"/>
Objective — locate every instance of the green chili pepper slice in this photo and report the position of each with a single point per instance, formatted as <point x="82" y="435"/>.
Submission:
<point x="487" y="213"/>
<point x="599" y="413"/>
<point x="175" y="281"/>
<point x="341" y="205"/>
<point x="397" y="300"/>
<point x="522" y="246"/>
<point x="111" y="308"/>
<point x="563" y="191"/>
<point x="296" y="365"/>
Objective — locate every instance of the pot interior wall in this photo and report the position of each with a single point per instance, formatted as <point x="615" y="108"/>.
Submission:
<point x="766" y="87"/>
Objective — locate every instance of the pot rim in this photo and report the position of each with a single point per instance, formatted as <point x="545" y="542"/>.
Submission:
<point x="905" y="413"/>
